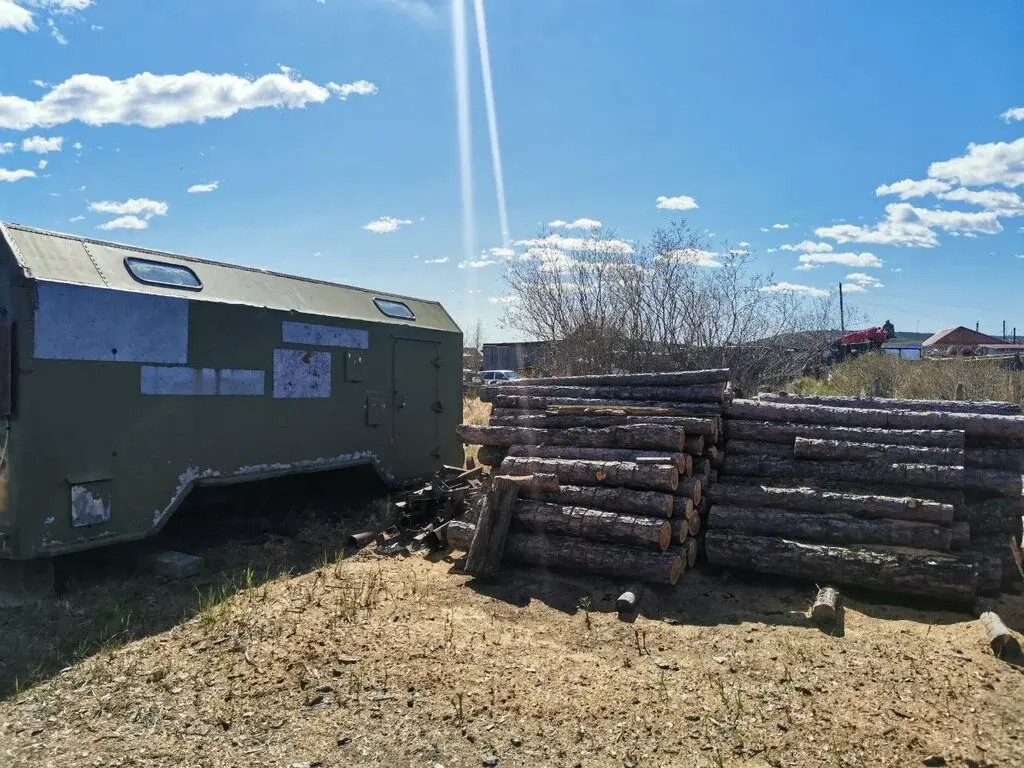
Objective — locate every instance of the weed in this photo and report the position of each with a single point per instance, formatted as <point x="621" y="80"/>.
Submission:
<point x="456" y="701"/>
<point x="584" y="605"/>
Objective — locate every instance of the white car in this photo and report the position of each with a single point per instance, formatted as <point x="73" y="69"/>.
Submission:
<point x="495" y="377"/>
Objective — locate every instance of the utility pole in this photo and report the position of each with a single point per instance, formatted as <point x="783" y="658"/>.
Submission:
<point x="977" y="326"/>
<point x="842" y="317"/>
<point x="1004" y="330"/>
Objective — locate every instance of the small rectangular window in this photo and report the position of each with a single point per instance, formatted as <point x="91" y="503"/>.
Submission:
<point x="393" y="308"/>
<point x="162" y="273"/>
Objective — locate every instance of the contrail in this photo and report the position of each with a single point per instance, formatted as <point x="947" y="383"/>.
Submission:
<point x="492" y="117"/>
<point x="460" y="50"/>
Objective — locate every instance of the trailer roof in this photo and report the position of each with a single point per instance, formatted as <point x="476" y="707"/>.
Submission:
<point x="63" y="258"/>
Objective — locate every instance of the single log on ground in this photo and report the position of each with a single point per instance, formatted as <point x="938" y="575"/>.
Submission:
<point x="892" y="404"/>
<point x="961" y="536"/>
<point x="630" y="599"/>
<point x="826" y="528"/>
<point x="1011" y="459"/>
<point x="668" y="379"/>
<point x="691" y="425"/>
<point x="708" y="393"/>
<point x="826" y="607"/>
<point x="842" y="450"/>
<point x="648" y="503"/>
<point x="870" y="473"/>
<point x="690" y="488"/>
<point x="680" y="529"/>
<point x="658" y="437"/>
<point x="778" y="432"/>
<point x="508" y="399"/>
<point x="534" y="484"/>
<point x="492" y="455"/>
<point x="648" y="477"/>
<point x="593" y="524"/>
<point x="816" y="501"/>
<point x="889" y="569"/>
<point x="973" y="424"/>
<point x="579" y="555"/>
<point x="678" y="460"/>
<point x="1000" y="639"/>
<point x="694" y="445"/>
<point x="483" y="559"/>
<point x="995" y="516"/>
<point x="994" y="481"/>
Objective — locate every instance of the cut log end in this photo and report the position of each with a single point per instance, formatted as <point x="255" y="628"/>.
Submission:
<point x="665" y="535"/>
<point x="675" y="570"/>
<point x="1000" y="639"/>
<point x="630" y="599"/>
<point x="826" y="606"/>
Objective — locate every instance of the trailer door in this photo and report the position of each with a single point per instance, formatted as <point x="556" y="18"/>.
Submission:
<point x="417" y="407"/>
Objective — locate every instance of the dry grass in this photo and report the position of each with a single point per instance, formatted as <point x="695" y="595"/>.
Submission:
<point x="916" y="379"/>
<point x="474" y="411"/>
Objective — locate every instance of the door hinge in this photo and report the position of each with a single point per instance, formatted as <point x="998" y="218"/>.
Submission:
<point x="436" y="362"/>
<point x="436" y="453"/>
<point x="437" y="406"/>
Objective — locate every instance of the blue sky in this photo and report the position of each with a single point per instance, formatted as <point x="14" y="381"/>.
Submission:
<point x="321" y="119"/>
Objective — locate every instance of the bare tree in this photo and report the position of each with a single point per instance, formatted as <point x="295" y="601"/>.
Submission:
<point x="606" y="304"/>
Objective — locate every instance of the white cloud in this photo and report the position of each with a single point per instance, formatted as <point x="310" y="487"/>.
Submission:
<point x="557" y="224"/>
<point x="898" y="228"/>
<point x="155" y="101"/>
<point x="807" y="246"/>
<point x="744" y="244"/>
<point x="794" y="288"/>
<point x="386" y="224"/>
<point x="999" y="201"/>
<point x="503" y="299"/>
<point x="358" y="88"/>
<point x="692" y="256"/>
<point x="137" y="206"/>
<point x="780" y="226"/>
<point x="42" y="165"/>
<point x="806" y="267"/>
<point x="678" y="203"/>
<point x="6" y="146"/>
<point x="864" y="279"/>
<point x="577" y="224"/>
<point x="986" y="222"/>
<point x="597" y="245"/>
<point x="863" y="260"/>
<point x="771" y="250"/>
<point x="995" y="163"/>
<point x="442" y="260"/>
<point x="483" y="261"/>
<point x="42" y="145"/>
<point x="63" y="7"/>
<point x="125" y="222"/>
<point x="13" y="176"/>
<point x="73" y="219"/>
<point x="77" y="146"/>
<point x="56" y="33"/>
<point x="854" y="288"/>
<point x="908" y="188"/>
<point x="502" y="252"/>
<point x="15" y="17"/>
<point x="1017" y="113"/>
<point x="198" y="189"/>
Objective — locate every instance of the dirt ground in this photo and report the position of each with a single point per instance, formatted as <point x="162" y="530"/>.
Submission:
<point x="286" y="654"/>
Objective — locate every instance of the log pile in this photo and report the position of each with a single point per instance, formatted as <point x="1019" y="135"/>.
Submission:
<point x="632" y="455"/>
<point x="911" y="497"/>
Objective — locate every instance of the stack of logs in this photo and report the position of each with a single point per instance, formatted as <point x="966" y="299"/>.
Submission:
<point x="629" y="458"/>
<point x="905" y="496"/>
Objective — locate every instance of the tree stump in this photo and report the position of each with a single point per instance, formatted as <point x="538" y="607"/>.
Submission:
<point x="826" y="607"/>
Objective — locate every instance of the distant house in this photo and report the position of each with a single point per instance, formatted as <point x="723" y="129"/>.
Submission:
<point x="959" y="340"/>
<point x="515" y="356"/>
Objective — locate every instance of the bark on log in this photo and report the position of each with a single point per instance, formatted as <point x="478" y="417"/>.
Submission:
<point x="667" y="379"/>
<point x="714" y="456"/>
<point x="709" y="393"/>
<point x="995" y="516"/>
<point x="690" y="488"/>
<point x="630" y="599"/>
<point x="507" y="399"/>
<point x="483" y="559"/>
<point x="891" y="404"/>
<point x="692" y="551"/>
<point x="656" y="437"/>
<point x="702" y="468"/>
<point x="870" y="473"/>
<point x="778" y="432"/>
<point x="593" y="525"/>
<point x="960" y="536"/>
<point x="680" y="530"/>
<point x="694" y="445"/>
<point x="687" y="469"/>
<point x="994" y="482"/>
<point x="890" y="569"/>
<point x="534" y="484"/>
<point x="649" y="503"/>
<point x="693" y="525"/>
<point x="759" y="448"/>
<point x="492" y="455"/>
<point x="816" y="501"/>
<point x="1011" y="459"/>
<point x="657" y="477"/>
<point x="713" y="474"/>
<point x="678" y="460"/>
<point x="841" y="450"/>
<point x="691" y="425"/>
<point x="684" y="507"/>
<point x="579" y="555"/>
<point x="999" y="548"/>
<point x="999" y="638"/>
<point x="974" y="425"/>
<point x="819" y="528"/>
<point x="826" y="608"/>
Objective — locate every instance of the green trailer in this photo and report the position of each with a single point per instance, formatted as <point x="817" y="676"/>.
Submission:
<point x="130" y="376"/>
